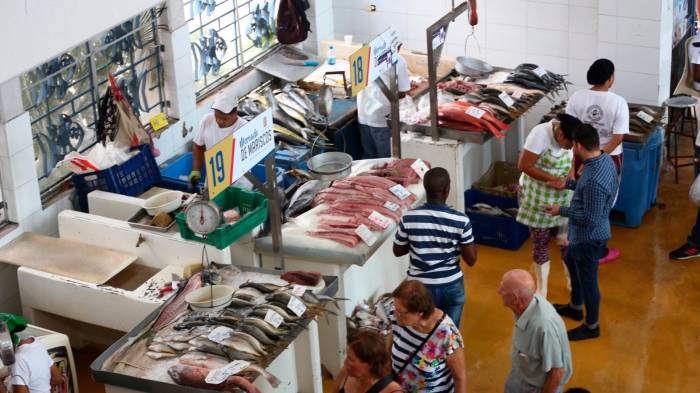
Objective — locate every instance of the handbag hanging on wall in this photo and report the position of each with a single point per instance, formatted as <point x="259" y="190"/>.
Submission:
<point x="292" y="25"/>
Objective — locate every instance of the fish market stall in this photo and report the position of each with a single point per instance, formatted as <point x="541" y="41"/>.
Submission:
<point x="325" y="239"/>
<point x="261" y="337"/>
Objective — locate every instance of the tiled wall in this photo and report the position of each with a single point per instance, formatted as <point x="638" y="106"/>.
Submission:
<point x="564" y="36"/>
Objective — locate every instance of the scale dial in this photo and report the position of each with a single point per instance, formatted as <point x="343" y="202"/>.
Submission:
<point x="203" y="217"/>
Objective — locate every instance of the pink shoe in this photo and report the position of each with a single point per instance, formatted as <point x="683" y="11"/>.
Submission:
<point x="613" y="254"/>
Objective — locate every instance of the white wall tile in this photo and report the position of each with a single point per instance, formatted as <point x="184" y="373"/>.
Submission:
<point x="380" y="21"/>
<point x="23" y="201"/>
<point x="637" y="59"/>
<point x="176" y="43"/>
<point x="18" y="169"/>
<point x="607" y="7"/>
<point x="174" y="15"/>
<point x="10" y="102"/>
<point x="645" y="9"/>
<point x="583" y="46"/>
<point x="414" y="45"/>
<point x="504" y="37"/>
<point x="351" y="21"/>
<point x="503" y="58"/>
<point x="324" y="26"/>
<point x="607" y="28"/>
<point x="583" y="20"/>
<point x="435" y="8"/>
<point x="560" y="2"/>
<point x="635" y="87"/>
<point x="577" y="72"/>
<point x="45" y="222"/>
<point x="507" y="12"/>
<point x="547" y="42"/>
<point x="548" y="16"/>
<point x="320" y="7"/>
<point x="354" y="4"/>
<point x="416" y="25"/>
<point x="607" y="50"/>
<point x="556" y="64"/>
<point x="638" y="32"/>
<point x="584" y="3"/>
<point x="17" y="135"/>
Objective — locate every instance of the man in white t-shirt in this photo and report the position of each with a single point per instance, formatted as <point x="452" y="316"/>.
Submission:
<point x="608" y="113"/>
<point x="372" y="109"/>
<point x="691" y="248"/>
<point x="221" y="122"/>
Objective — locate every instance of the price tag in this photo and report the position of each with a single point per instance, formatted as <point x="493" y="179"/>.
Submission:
<point x="219" y="375"/>
<point x="218" y="163"/>
<point x="391" y="206"/>
<point x="379" y="219"/>
<point x="296" y="306"/>
<point x="273" y="318"/>
<point x="439" y="37"/>
<point x="517" y="94"/>
<point x="645" y="116"/>
<point x="540" y="72"/>
<point x="475" y="112"/>
<point x="298" y="290"/>
<point x="506" y="99"/>
<point x="366" y="235"/>
<point x="220" y="334"/>
<point x="400" y="191"/>
<point x="419" y="167"/>
<point x="158" y="121"/>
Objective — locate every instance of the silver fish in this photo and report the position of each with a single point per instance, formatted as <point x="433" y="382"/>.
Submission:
<point x="257" y="334"/>
<point x="159" y="355"/>
<point x="256" y="370"/>
<point x="252" y="341"/>
<point x="303" y="197"/>
<point x="162" y="348"/>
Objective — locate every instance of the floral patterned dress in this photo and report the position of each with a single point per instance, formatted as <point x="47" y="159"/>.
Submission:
<point x="428" y="370"/>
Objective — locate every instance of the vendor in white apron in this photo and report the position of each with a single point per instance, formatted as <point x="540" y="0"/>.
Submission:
<point x="221" y="122"/>
<point x="546" y="160"/>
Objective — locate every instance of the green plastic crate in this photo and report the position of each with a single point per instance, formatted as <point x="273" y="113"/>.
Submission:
<point x="253" y="209"/>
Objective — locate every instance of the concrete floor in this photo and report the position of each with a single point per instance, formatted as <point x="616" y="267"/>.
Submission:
<point x="650" y="327"/>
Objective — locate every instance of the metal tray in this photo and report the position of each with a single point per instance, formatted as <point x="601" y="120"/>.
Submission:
<point x="141" y="218"/>
<point x="147" y="385"/>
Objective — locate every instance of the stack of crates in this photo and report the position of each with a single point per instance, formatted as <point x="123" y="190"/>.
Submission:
<point x="641" y="168"/>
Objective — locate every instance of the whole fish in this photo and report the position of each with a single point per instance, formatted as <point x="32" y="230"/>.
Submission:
<point x="201" y="359"/>
<point x="162" y="348"/>
<point x="241" y="345"/>
<point x="262" y="287"/>
<point x="254" y="371"/>
<point x="159" y="355"/>
<point x="242" y="299"/>
<point x="269" y="330"/>
<point x="289" y="136"/>
<point x="179" y="347"/>
<point x="202" y="344"/>
<point x="196" y="377"/>
<point x="177" y="305"/>
<point x="282" y="118"/>
<point x="258" y="334"/>
<point x="303" y="197"/>
<point x="279" y="310"/>
<point x="235" y="354"/>
<point x="252" y="341"/>
<point x="284" y="99"/>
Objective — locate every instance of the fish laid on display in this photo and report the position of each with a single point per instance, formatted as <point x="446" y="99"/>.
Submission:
<point x="160" y="355"/>
<point x="177" y="305"/>
<point x="252" y="341"/>
<point x="269" y="330"/>
<point x="202" y="344"/>
<point x="279" y="310"/>
<point x="456" y="115"/>
<point x="235" y="354"/>
<point x="201" y="359"/>
<point x="161" y="348"/>
<point x="262" y="287"/>
<point x="179" y="347"/>
<point x="256" y="333"/>
<point x="303" y="197"/>
<point x="301" y="277"/>
<point x="399" y="171"/>
<point x="196" y="377"/>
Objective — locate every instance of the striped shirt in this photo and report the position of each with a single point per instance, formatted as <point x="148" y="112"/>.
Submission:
<point x="435" y="234"/>
<point x="428" y="370"/>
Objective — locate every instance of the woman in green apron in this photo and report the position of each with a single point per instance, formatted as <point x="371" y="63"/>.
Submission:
<point x="545" y="162"/>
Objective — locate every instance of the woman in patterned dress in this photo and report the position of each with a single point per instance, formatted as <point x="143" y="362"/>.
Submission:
<point x="546" y="162"/>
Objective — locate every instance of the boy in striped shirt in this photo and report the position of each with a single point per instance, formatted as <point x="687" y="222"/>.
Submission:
<point x="436" y="236"/>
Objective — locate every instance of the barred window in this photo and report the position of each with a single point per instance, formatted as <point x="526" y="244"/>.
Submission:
<point x="62" y="95"/>
<point x="226" y="36"/>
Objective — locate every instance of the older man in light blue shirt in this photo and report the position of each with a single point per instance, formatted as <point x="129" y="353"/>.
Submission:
<point x="540" y="354"/>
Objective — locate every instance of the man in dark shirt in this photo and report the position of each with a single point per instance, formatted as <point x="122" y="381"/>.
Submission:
<point x="589" y="229"/>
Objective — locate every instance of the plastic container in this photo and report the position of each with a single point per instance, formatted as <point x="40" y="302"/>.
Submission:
<point x="496" y="179"/>
<point x="290" y="159"/>
<point x="175" y="172"/>
<point x="496" y="231"/>
<point x="133" y="177"/>
<point x="331" y="56"/>
<point x="641" y="167"/>
<point x="251" y="205"/>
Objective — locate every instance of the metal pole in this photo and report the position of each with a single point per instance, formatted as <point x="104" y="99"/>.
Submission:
<point x="274" y="210"/>
<point x="395" y="121"/>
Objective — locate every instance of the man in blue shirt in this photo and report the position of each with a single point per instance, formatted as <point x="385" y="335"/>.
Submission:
<point x="589" y="229"/>
<point x="436" y="236"/>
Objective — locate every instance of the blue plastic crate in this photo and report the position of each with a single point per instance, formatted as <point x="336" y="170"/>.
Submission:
<point x="133" y="177"/>
<point x="175" y="172"/>
<point x="641" y="168"/>
<point x="290" y="159"/>
<point x="495" y="231"/>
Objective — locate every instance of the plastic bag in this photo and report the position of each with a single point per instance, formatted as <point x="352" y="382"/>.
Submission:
<point x="695" y="191"/>
<point x="98" y="158"/>
<point x="373" y="99"/>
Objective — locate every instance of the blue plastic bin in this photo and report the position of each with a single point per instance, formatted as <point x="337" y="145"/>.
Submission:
<point x="496" y="231"/>
<point x="641" y="167"/>
<point x="175" y="171"/>
<point x="133" y="177"/>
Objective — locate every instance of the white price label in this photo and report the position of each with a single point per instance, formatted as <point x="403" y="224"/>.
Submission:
<point x="298" y="290"/>
<point x="645" y="116"/>
<point x="400" y="191"/>
<point x="439" y="37"/>
<point x="220" y="334"/>
<point x="273" y="318"/>
<point x="379" y="219"/>
<point x="219" y="375"/>
<point x="391" y="206"/>
<point x="296" y="306"/>
<point x="475" y="112"/>
<point x="419" y="167"/>
<point x="540" y="72"/>
<point x="506" y="99"/>
<point x="517" y="94"/>
<point x="366" y="235"/>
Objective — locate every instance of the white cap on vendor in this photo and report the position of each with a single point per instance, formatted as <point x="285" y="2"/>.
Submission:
<point x="225" y="101"/>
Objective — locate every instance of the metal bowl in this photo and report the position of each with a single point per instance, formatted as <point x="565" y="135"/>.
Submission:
<point x="470" y="66"/>
<point x="330" y="166"/>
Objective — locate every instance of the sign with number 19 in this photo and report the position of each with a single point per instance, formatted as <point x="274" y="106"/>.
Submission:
<point x="218" y="163"/>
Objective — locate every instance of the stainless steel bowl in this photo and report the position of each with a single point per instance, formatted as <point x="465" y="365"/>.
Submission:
<point x="470" y="66"/>
<point x="330" y="166"/>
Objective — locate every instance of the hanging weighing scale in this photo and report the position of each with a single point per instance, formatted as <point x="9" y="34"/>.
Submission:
<point x="203" y="217"/>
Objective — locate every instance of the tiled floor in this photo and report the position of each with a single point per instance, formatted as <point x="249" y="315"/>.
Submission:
<point x="650" y="325"/>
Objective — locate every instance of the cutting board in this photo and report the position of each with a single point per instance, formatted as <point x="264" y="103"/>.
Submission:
<point x="84" y="262"/>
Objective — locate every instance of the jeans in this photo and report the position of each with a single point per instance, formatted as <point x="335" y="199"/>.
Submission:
<point x="582" y="262"/>
<point x="376" y="141"/>
<point x="694" y="237"/>
<point x="450" y="298"/>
